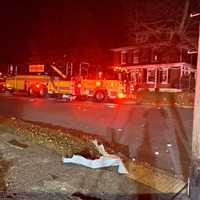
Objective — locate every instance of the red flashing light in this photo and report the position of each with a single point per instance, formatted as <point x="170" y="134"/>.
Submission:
<point x="79" y="85"/>
<point x="118" y="68"/>
<point x="37" y="86"/>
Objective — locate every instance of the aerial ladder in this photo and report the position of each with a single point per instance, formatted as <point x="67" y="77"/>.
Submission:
<point x="58" y="71"/>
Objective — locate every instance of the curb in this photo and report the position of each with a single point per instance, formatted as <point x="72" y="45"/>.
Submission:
<point x="160" y="104"/>
<point x="155" y="178"/>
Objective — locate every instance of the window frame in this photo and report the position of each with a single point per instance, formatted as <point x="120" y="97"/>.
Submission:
<point x="136" y="56"/>
<point x="167" y="75"/>
<point x="123" y="57"/>
<point x="148" y="72"/>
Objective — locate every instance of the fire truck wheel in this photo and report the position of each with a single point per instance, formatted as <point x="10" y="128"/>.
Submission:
<point x="100" y="96"/>
<point x="43" y="92"/>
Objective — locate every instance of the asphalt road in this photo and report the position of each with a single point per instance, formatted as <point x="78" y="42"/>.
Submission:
<point x="160" y="136"/>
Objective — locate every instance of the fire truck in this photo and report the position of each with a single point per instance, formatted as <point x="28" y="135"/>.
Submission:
<point x="88" y="82"/>
<point x="37" y="83"/>
<point x="98" y="85"/>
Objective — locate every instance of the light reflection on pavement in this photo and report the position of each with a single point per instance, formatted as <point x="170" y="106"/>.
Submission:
<point x="157" y="135"/>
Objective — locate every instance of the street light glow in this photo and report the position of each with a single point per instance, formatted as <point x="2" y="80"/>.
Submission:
<point x="192" y="52"/>
<point x="194" y="14"/>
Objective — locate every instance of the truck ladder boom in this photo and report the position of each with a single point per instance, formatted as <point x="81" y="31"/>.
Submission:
<point x="58" y="71"/>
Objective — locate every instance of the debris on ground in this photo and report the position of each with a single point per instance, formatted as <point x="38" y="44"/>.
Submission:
<point x="17" y="144"/>
<point x="105" y="160"/>
<point x="102" y="162"/>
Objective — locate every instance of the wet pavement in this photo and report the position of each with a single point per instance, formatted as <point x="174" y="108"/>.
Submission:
<point x="158" y="135"/>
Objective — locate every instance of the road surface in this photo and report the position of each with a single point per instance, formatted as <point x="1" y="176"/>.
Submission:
<point x="160" y="136"/>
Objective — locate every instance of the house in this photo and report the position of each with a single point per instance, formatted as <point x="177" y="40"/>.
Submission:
<point x="158" y="65"/>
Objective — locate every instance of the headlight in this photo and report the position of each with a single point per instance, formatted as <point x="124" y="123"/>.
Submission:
<point x="121" y="95"/>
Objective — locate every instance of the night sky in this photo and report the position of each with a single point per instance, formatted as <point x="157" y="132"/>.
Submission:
<point x="53" y="30"/>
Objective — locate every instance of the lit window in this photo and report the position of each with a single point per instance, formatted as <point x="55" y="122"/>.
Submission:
<point x="164" y="76"/>
<point x="150" y="75"/>
<point x="154" y="56"/>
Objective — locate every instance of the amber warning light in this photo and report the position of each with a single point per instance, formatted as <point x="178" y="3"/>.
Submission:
<point x="98" y="83"/>
<point x="121" y="95"/>
<point x="118" y="68"/>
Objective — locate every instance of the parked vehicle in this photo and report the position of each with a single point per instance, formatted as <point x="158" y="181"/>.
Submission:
<point x="100" y="86"/>
<point x="41" y="85"/>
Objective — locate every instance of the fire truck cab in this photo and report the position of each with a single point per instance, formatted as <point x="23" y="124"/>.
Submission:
<point x="100" y="85"/>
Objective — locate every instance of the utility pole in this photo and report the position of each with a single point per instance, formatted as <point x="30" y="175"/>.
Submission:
<point x="194" y="185"/>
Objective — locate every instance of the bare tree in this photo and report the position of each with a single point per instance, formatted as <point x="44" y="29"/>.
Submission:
<point x="169" y="18"/>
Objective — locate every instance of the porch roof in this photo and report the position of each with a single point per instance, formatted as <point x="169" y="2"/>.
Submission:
<point x="162" y="65"/>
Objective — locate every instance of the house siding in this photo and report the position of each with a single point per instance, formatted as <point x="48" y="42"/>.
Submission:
<point x="169" y="62"/>
<point x="117" y="58"/>
<point x="149" y="55"/>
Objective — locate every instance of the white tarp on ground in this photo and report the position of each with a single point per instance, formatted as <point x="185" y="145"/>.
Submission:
<point x="103" y="161"/>
<point x="106" y="160"/>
